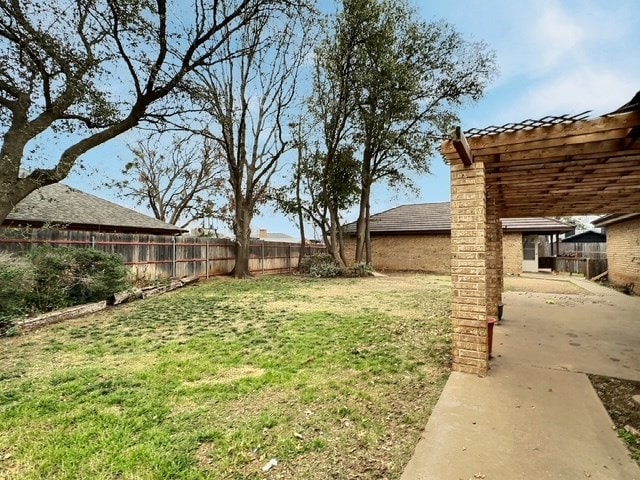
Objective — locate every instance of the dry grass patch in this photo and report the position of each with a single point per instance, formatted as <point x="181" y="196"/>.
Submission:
<point x="228" y="376"/>
<point x="556" y="285"/>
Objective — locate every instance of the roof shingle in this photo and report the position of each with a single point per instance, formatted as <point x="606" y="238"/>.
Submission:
<point x="436" y="218"/>
<point x="60" y="204"/>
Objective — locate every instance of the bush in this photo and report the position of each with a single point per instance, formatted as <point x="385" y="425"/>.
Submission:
<point x="66" y="276"/>
<point x="48" y="278"/>
<point x="98" y="275"/>
<point x="360" y="270"/>
<point x="321" y="265"/>
<point x="16" y="280"/>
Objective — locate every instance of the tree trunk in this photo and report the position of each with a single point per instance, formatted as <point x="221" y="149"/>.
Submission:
<point x="361" y="223"/>
<point x="367" y="233"/>
<point x="365" y="194"/>
<point x="299" y="205"/>
<point x="336" y="239"/>
<point x="5" y="207"/>
<point x="242" y="230"/>
<point x="12" y="191"/>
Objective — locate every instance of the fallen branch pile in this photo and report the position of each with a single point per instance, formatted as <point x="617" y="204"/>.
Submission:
<point x="113" y="300"/>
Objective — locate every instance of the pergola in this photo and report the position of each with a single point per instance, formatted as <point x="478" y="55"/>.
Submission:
<point x="555" y="166"/>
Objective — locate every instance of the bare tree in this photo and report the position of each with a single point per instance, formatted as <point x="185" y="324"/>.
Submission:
<point x="179" y="182"/>
<point x="249" y="98"/>
<point x="76" y="74"/>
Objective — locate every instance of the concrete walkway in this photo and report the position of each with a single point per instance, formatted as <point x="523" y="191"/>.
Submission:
<point x="536" y="416"/>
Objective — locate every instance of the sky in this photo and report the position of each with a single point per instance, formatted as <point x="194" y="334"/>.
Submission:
<point x="555" y="57"/>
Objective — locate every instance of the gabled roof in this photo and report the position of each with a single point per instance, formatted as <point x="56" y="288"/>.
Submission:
<point x="60" y="204"/>
<point x="590" y="236"/>
<point x="436" y="218"/>
<point x="606" y="220"/>
<point x="420" y="217"/>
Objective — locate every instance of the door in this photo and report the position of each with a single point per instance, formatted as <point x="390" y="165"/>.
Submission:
<point x="529" y="253"/>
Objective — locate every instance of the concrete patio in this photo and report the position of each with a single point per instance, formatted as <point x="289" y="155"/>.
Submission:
<point x="536" y="416"/>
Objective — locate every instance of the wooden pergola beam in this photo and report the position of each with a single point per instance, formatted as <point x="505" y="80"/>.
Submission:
<point x="549" y="144"/>
<point x="569" y="178"/>
<point x="561" y="131"/>
<point x="526" y="168"/>
<point x="462" y="147"/>
<point x="631" y="137"/>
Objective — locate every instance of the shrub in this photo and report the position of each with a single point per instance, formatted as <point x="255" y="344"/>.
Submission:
<point x="67" y="276"/>
<point x="52" y="274"/>
<point x="98" y="275"/>
<point x="16" y="281"/>
<point x="321" y="265"/>
<point x="360" y="270"/>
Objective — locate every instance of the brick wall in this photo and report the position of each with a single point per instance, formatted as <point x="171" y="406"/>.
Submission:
<point x="423" y="253"/>
<point x="623" y="253"/>
<point x="512" y="253"/>
<point x="429" y="252"/>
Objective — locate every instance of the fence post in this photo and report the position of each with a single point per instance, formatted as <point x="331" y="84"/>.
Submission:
<point x="206" y="260"/>
<point x="262" y="255"/>
<point x="586" y="269"/>
<point x="173" y="258"/>
<point x="289" y="258"/>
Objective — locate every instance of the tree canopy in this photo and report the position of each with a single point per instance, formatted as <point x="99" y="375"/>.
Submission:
<point x="388" y="86"/>
<point x="76" y="74"/>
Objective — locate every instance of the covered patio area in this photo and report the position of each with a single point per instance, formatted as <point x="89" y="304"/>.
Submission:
<point x="555" y="166"/>
<point x="537" y="416"/>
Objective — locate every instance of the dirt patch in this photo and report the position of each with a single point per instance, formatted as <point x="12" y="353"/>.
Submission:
<point x="542" y="285"/>
<point x="228" y="376"/>
<point x="617" y="397"/>
<point x="204" y="455"/>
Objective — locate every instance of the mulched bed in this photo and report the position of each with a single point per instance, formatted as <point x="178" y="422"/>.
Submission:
<point x="617" y="397"/>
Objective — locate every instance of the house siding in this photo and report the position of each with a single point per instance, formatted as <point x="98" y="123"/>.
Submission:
<point x="623" y="253"/>
<point x="512" y="253"/>
<point x="429" y="253"/>
<point x="423" y="253"/>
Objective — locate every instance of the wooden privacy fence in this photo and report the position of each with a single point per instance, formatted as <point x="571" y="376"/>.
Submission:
<point x="160" y="256"/>
<point x="589" y="267"/>
<point x="578" y="250"/>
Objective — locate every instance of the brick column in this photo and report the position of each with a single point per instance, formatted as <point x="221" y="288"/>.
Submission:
<point x="469" y="269"/>
<point x="494" y="259"/>
<point x="500" y="255"/>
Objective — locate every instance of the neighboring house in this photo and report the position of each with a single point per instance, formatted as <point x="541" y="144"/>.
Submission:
<point x="588" y="236"/>
<point x="266" y="236"/>
<point x="587" y="244"/>
<point x="62" y="206"/>
<point x="418" y="237"/>
<point x="623" y="248"/>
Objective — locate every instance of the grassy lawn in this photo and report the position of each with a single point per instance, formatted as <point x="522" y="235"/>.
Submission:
<point x="333" y="378"/>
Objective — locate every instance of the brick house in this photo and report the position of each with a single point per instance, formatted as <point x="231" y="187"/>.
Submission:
<point x="623" y="248"/>
<point x="417" y="237"/>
